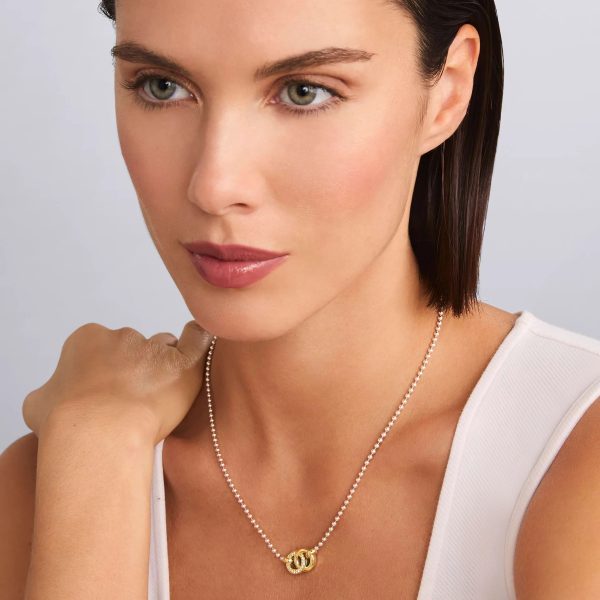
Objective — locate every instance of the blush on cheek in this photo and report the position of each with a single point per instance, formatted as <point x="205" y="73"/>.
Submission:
<point x="363" y="158"/>
<point x="348" y="176"/>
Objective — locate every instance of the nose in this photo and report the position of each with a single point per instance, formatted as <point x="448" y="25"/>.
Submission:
<point x="225" y="177"/>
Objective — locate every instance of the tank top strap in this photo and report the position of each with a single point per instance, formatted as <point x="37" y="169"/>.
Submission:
<point x="158" y="572"/>
<point x="533" y="392"/>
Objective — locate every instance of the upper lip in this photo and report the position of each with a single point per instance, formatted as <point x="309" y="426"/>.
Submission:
<point x="231" y="251"/>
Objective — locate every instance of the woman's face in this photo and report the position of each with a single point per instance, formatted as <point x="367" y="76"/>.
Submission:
<point x="224" y="157"/>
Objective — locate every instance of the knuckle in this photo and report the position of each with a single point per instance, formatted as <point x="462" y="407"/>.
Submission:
<point x="33" y="394"/>
<point x="30" y="395"/>
<point x="125" y="329"/>
<point x="85" y="330"/>
<point x="29" y="402"/>
<point x="129" y="336"/>
<point x="129" y="333"/>
<point x="92" y="326"/>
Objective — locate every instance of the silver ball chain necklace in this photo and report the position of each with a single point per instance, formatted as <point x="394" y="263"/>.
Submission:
<point x="304" y="560"/>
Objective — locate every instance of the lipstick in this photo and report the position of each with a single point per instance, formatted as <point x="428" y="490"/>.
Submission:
<point x="232" y="265"/>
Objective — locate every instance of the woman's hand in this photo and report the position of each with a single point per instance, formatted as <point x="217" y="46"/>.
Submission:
<point x="120" y="374"/>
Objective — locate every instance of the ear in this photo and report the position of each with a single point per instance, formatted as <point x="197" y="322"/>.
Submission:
<point x="449" y="98"/>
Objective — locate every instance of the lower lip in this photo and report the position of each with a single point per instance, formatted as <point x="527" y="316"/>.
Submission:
<point x="233" y="273"/>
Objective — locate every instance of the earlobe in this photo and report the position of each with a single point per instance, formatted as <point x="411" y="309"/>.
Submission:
<point x="450" y="95"/>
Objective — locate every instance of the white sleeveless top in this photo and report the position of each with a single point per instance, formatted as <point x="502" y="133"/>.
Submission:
<point x="532" y="393"/>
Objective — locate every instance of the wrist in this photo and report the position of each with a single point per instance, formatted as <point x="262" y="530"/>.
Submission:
<point x="135" y="425"/>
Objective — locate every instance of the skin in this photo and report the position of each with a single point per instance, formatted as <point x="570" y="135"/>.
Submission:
<point x="310" y="186"/>
<point x="311" y="361"/>
<point x="242" y="170"/>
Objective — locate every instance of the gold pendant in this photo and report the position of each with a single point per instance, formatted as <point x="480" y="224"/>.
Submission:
<point x="301" y="561"/>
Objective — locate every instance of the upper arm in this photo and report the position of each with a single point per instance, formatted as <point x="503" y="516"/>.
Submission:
<point x="558" y="547"/>
<point x="17" y="501"/>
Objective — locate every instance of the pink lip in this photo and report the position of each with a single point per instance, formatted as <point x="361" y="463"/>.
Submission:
<point x="231" y="251"/>
<point x="233" y="273"/>
<point x="232" y="266"/>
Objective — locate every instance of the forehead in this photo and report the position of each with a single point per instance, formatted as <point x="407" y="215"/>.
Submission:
<point x="239" y="34"/>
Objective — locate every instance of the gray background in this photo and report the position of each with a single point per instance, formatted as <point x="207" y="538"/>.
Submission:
<point x="74" y="247"/>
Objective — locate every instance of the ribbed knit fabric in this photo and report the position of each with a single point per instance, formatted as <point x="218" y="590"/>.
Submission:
<point x="532" y="393"/>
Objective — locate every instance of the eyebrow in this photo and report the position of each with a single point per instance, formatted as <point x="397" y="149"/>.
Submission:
<point x="137" y="53"/>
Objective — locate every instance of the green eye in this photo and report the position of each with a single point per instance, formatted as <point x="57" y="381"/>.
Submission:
<point x="303" y="93"/>
<point x="160" y="92"/>
<point x="161" y="89"/>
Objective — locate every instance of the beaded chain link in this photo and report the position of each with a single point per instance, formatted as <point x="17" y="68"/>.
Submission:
<point x="304" y="560"/>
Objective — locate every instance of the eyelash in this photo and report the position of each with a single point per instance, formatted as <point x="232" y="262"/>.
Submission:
<point x="133" y="85"/>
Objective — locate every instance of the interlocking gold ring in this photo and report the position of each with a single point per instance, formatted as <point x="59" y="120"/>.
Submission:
<point x="301" y="560"/>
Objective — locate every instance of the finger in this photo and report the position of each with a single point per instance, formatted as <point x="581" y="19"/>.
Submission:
<point x="194" y="341"/>
<point x="165" y="338"/>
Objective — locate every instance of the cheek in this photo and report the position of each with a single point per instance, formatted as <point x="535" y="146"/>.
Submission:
<point x="346" y="194"/>
<point x="353" y="183"/>
<point x="148" y="150"/>
<point x="156" y="169"/>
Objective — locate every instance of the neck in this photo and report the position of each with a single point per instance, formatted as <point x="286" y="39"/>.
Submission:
<point x="322" y="393"/>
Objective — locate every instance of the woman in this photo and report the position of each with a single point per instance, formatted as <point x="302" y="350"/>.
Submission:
<point x="355" y="330"/>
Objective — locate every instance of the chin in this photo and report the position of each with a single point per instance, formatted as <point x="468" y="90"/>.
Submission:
<point x="245" y="326"/>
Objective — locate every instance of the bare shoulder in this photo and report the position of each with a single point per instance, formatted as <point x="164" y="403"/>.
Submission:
<point x="558" y="547"/>
<point x="486" y="325"/>
<point x="490" y="318"/>
<point x="17" y="500"/>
